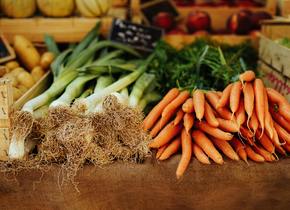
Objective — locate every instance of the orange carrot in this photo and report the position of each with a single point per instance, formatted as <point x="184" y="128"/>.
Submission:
<point x="235" y="96"/>
<point x="282" y="133"/>
<point x="173" y="105"/>
<point x="179" y="117"/>
<point x="264" y="153"/>
<point x="188" y="107"/>
<point x="239" y="148"/>
<point x="225" y="97"/>
<point x="157" y="127"/>
<point x="266" y="142"/>
<point x="284" y="106"/>
<point x="241" y="114"/>
<point x="226" y="148"/>
<point x="171" y="149"/>
<point x="207" y="146"/>
<point x="186" y="145"/>
<point x="168" y="133"/>
<point x="249" y="98"/>
<point x="246" y="134"/>
<point x="219" y="93"/>
<point x="213" y="99"/>
<point x="188" y="121"/>
<point x="215" y="132"/>
<point x="253" y="155"/>
<point x="287" y="147"/>
<point x="269" y="126"/>
<point x="276" y="139"/>
<point x="280" y="120"/>
<point x="161" y="150"/>
<point x="155" y="113"/>
<point x="199" y="154"/>
<point x="254" y="124"/>
<point x="209" y="116"/>
<point x="198" y="103"/>
<point x="228" y="125"/>
<point x="260" y="102"/>
<point x="247" y="76"/>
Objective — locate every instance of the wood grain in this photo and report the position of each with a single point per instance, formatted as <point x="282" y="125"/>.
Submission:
<point x="153" y="185"/>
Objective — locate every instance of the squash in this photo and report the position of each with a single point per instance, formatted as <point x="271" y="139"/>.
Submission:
<point x="56" y="8"/>
<point x="18" y="8"/>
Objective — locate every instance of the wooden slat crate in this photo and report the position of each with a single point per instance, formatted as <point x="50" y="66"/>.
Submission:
<point x="277" y="28"/>
<point x="285" y="8"/>
<point x="275" y="65"/>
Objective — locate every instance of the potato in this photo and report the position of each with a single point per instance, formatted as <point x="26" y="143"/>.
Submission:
<point x="12" y="78"/>
<point x="22" y="88"/>
<point x="16" y="93"/>
<point x="16" y="71"/>
<point x="37" y="73"/>
<point x="25" y="79"/>
<point x="3" y="70"/>
<point x="26" y="52"/>
<point x="12" y="65"/>
<point x="46" y="59"/>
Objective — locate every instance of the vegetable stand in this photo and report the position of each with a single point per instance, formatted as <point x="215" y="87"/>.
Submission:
<point x="152" y="184"/>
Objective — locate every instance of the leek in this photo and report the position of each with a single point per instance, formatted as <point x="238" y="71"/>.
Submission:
<point x="148" y="98"/>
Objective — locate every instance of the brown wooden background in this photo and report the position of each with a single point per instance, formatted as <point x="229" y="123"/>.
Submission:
<point x="152" y="185"/>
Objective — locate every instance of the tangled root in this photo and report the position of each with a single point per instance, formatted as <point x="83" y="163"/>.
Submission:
<point x="22" y="124"/>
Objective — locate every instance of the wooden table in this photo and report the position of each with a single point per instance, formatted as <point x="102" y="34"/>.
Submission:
<point x="152" y="185"/>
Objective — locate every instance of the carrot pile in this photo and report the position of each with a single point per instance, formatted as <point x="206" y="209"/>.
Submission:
<point x="245" y="121"/>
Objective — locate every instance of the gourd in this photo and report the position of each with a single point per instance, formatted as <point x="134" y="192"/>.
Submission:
<point x="56" y="8"/>
<point x="18" y="8"/>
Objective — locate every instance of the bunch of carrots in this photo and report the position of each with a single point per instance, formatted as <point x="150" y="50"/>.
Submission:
<point x="246" y="120"/>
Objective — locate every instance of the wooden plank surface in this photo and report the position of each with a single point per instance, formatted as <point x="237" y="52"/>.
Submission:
<point x="153" y="186"/>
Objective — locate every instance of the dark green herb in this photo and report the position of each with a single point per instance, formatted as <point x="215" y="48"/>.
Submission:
<point x="203" y="64"/>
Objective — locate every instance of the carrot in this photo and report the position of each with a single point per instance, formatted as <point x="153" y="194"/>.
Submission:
<point x="264" y="153"/>
<point x="241" y="114"/>
<point x="275" y="138"/>
<point x="253" y="155"/>
<point x="284" y="106"/>
<point x="199" y="154"/>
<point x="280" y="149"/>
<point x="215" y="132"/>
<point x="157" y="127"/>
<point x="155" y="113"/>
<point x="287" y="147"/>
<point x="246" y="134"/>
<point x="254" y="124"/>
<point x="239" y="148"/>
<point x="209" y="116"/>
<point x="280" y="120"/>
<point x="213" y="99"/>
<point x="179" y="117"/>
<point x="247" y="76"/>
<point x="219" y="93"/>
<point x="249" y="99"/>
<point x="226" y="148"/>
<point x="282" y="133"/>
<point x="260" y="102"/>
<point x="228" y="125"/>
<point x="161" y="150"/>
<point x="269" y="126"/>
<point x="235" y="96"/>
<point x="169" y="110"/>
<point x="207" y="146"/>
<point x="198" y="103"/>
<point x="224" y="99"/>
<point x="186" y="145"/>
<point x="171" y="149"/>
<point x="188" y="107"/>
<point x="168" y="133"/>
<point x="266" y="142"/>
<point x="188" y="121"/>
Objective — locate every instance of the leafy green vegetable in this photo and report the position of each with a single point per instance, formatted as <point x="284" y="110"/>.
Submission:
<point x="203" y="64"/>
<point x="284" y="41"/>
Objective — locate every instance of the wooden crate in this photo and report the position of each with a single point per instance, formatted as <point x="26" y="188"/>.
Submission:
<point x="274" y="63"/>
<point x="285" y="8"/>
<point x="219" y="15"/>
<point x="179" y="41"/>
<point x="277" y="28"/>
<point x="71" y="29"/>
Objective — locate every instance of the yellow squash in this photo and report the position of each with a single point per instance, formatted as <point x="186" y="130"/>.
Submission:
<point x="56" y="8"/>
<point x="18" y="8"/>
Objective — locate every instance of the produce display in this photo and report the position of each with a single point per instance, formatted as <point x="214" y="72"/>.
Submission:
<point x="245" y="121"/>
<point x="29" y="68"/>
<point x="241" y="3"/>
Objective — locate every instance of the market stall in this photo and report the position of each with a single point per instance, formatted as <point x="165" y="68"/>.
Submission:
<point x="144" y="104"/>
